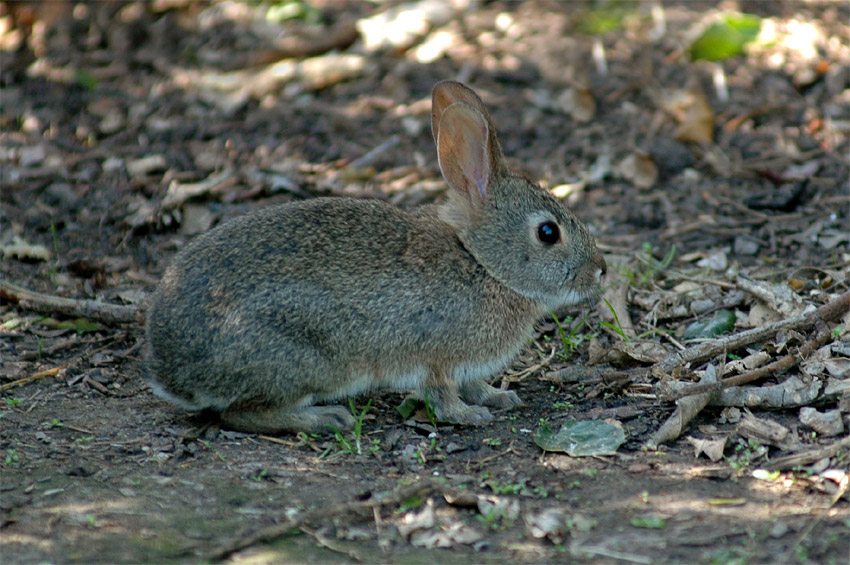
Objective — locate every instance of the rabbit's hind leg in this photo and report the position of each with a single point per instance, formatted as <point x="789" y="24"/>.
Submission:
<point x="479" y="392"/>
<point x="311" y="419"/>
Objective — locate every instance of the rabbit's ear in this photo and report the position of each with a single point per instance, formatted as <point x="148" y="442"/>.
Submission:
<point x="463" y="150"/>
<point x="447" y="93"/>
<point x="467" y="147"/>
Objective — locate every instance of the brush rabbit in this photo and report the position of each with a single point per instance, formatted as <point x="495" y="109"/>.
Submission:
<point x="323" y="299"/>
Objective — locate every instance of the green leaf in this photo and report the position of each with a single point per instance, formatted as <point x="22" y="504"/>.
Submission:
<point x="80" y="325"/>
<point x="650" y="521"/>
<point x="581" y="439"/>
<point x="720" y="322"/>
<point x="605" y="16"/>
<point x="86" y="80"/>
<point x="765" y="475"/>
<point x="408" y="407"/>
<point x="726" y="38"/>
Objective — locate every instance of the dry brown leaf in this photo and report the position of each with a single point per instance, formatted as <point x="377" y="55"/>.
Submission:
<point x="550" y="523"/>
<point x="643" y="351"/>
<point x="25" y="251"/>
<point x="578" y="103"/>
<point x="640" y="170"/>
<point x="713" y="448"/>
<point x="695" y="116"/>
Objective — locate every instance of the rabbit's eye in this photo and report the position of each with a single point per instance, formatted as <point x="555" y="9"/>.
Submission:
<point x="548" y="233"/>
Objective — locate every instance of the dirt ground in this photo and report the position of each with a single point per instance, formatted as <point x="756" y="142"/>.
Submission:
<point x="128" y="128"/>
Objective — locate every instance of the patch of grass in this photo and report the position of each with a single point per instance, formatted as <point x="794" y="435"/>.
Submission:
<point x="649" y="267"/>
<point x="409" y="504"/>
<point x="541" y="492"/>
<point x="616" y="326"/>
<point x="209" y="446"/>
<point x="745" y="454"/>
<point x="352" y="444"/>
<point x="505" y="488"/>
<point x="12" y="458"/>
<point x="429" y="410"/>
<point x="573" y="339"/>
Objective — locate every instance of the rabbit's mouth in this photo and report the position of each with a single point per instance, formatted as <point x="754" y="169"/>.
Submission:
<point x="568" y="297"/>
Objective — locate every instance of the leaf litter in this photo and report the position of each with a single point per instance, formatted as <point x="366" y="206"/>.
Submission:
<point x="706" y="206"/>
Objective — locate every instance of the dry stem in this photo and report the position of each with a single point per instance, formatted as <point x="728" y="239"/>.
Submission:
<point x="89" y="309"/>
<point x="702" y="352"/>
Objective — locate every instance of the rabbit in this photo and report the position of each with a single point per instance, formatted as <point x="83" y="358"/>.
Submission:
<point x="323" y="299"/>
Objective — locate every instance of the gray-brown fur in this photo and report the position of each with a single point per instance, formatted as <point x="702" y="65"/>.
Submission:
<point x="321" y="299"/>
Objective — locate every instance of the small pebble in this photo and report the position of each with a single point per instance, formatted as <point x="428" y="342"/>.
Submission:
<point x="824" y="423"/>
<point x="745" y="246"/>
<point x="31" y="156"/>
<point x="62" y="193"/>
<point x="778" y="529"/>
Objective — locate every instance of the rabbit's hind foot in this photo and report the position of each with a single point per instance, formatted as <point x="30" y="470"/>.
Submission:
<point x="311" y="419"/>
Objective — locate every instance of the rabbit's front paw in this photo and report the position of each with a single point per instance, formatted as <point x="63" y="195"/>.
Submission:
<point x="464" y="414"/>
<point x="502" y="399"/>
<point x="479" y="392"/>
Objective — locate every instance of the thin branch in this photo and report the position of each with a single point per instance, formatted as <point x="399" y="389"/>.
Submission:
<point x="806" y="457"/>
<point x="31" y="378"/>
<point x="89" y="309"/>
<point x="704" y="351"/>
<point x="779" y="366"/>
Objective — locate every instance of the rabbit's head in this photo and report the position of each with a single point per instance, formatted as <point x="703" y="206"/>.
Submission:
<point x="525" y="237"/>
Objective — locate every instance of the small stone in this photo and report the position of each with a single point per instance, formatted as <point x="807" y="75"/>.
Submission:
<point x="824" y="423"/>
<point x="778" y="529"/>
<point x="112" y="165"/>
<point x="745" y="246"/>
<point x="196" y="219"/>
<point x="31" y="156"/>
<point x="63" y="194"/>
<point x="145" y="165"/>
<point x="113" y="122"/>
<point x="701" y="306"/>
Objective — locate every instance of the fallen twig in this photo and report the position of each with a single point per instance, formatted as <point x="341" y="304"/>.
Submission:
<point x="89" y="309"/>
<point x="704" y="351"/>
<point x="806" y="457"/>
<point x="31" y="378"/>
<point x="297" y="522"/>
<point x="323" y="541"/>
<point x="525" y="373"/>
<point x="339" y="37"/>
<point x="775" y="368"/>
<point x="47" y="352"/>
